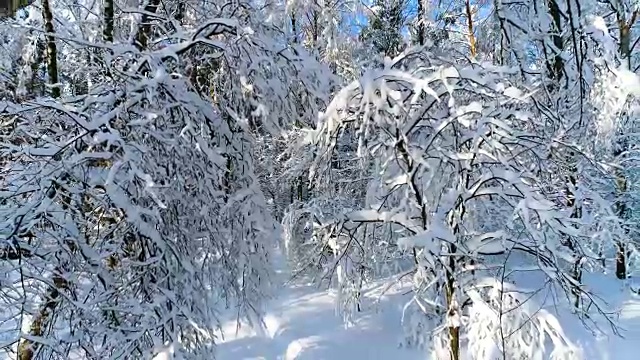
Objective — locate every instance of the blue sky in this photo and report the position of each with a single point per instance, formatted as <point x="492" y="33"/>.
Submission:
<point x="358" y="19"/>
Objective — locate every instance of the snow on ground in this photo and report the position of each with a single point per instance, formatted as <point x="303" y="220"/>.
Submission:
<point x="624" y="305"/>
<point x="301" y="324"/>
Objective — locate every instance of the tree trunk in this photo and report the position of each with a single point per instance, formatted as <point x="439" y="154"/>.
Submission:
<point x="32" y="84"/>
<point x="294" y="29"/>
<point x="421" y="24"/>
<point x="621" y="211"/>
<point x="144" y="29"/>
<point x="27" y="348"/>
<point x="576" y="272"/>
<point x="472" y="37"/>
<point x="455" y="219"/>
<point x="556" y="66"/>
<point x="52" y="53"/>
<point x="454" y="331"/>
<point x="107" y="33"/>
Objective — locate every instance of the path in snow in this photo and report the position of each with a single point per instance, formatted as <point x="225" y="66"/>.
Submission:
<point x="301" y="324"/>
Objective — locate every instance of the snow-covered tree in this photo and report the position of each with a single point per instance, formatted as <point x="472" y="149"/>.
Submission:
<point x="387" y="20"/>
<point x="454" y="171"/>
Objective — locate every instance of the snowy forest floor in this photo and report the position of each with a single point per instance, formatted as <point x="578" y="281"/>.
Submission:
<point x="301" y="324"/>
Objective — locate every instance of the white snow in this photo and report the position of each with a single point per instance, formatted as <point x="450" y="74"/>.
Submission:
<point x="301" y="324"/>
